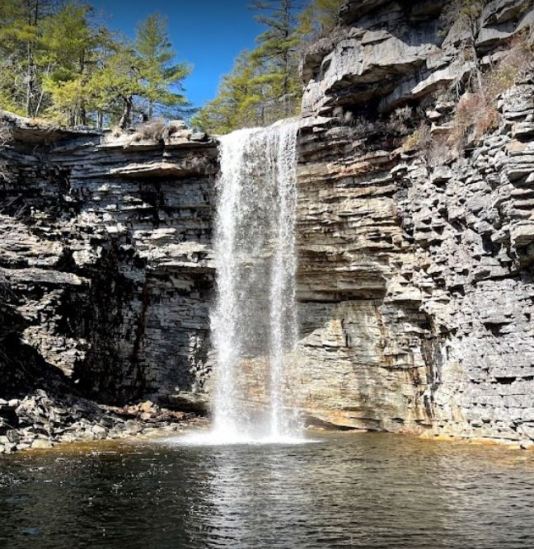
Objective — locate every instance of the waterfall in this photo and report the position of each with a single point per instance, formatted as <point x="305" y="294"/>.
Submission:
<point x="255" y="310"/>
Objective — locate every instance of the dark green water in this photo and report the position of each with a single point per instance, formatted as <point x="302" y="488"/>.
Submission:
<point x="347" y="490"/>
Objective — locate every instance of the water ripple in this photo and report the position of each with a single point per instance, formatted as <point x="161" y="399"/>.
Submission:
<point x="372" y="491"/>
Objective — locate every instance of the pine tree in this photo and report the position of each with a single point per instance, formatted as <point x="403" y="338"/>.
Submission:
<point x="114" y="87"/>
<point x="239" y="102"/>
<point x="13" y="33"/>
<point x="139" y="77"/>
<point x="264" y="84"/>
<point x="20" y="44"/>
<point x="276" y="53"/>
<point x="55" y="62"/>
<point x="162" y="80"/>
<point x="71" y="49"/>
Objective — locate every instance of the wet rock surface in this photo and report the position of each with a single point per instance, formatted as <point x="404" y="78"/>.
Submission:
<point x="416" y="294"/>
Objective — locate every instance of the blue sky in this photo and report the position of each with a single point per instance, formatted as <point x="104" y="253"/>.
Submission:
<point x="206" y="33"/>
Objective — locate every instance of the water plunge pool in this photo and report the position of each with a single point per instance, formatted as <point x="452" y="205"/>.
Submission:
<point x="353" y="490"/>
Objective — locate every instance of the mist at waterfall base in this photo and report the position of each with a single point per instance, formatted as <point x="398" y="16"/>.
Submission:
<point x="255" y="310"/>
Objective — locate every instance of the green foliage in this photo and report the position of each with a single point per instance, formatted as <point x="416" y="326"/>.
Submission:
<point x="70" y="56"/>
<point x="318" y="18"/>
<point x="264" y="85"/>
<point x="118" y="81"/>
<point x="161" y="79"/>
<point x="239" y="102"/>
<point x="56" y="63"/>
<point x="274" y="59"/>
<point x="20" y="48"/>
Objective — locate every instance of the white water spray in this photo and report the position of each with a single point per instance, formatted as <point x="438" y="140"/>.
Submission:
<point x="255" y="311"/>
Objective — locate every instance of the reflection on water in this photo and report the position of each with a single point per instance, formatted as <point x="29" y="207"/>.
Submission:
<point x="374" y="491"/>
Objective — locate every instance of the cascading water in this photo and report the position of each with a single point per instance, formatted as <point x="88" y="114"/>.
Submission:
<point x="255" y="311"/>
<point x="283" y="318"/>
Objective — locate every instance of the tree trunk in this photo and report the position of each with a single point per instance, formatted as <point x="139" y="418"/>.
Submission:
<point x="287" y="6"/>
<point x="83" y="115"/>
<point x="126" y="117"/>
<point x="29" y="83"/>
<point x="41" y="95"/>
<point x="83" y="110"/>
<point x="30" y="75"/>
<point x="286" y="89"/>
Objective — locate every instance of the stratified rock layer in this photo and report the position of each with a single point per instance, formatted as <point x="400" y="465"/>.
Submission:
<point x="105" y="249"/>
<point x="388" y="53"/>
<point x="415" y="280"/>
<point x="415" y="272"/>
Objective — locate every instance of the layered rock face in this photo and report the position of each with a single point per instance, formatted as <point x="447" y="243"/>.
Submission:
<point x="105" y="250"/>
<point x="388" y="53"/>
<point x="364" y="353"/>
<point x="415" y="280"/>
<point x="415" y="269"/>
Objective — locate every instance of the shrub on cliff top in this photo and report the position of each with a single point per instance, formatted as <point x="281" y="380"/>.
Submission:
<point x="476" y="113"/>
<point x="152" y="129"/>
<point x="463" y="16"/>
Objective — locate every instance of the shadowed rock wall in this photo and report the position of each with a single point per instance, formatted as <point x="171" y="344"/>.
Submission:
<point x="105" y="248"/>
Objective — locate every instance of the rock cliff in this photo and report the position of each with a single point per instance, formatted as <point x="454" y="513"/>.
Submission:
<point x="416" y="243"/>
<point x="416" y="259"/>
<point x="105" y="251"/>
